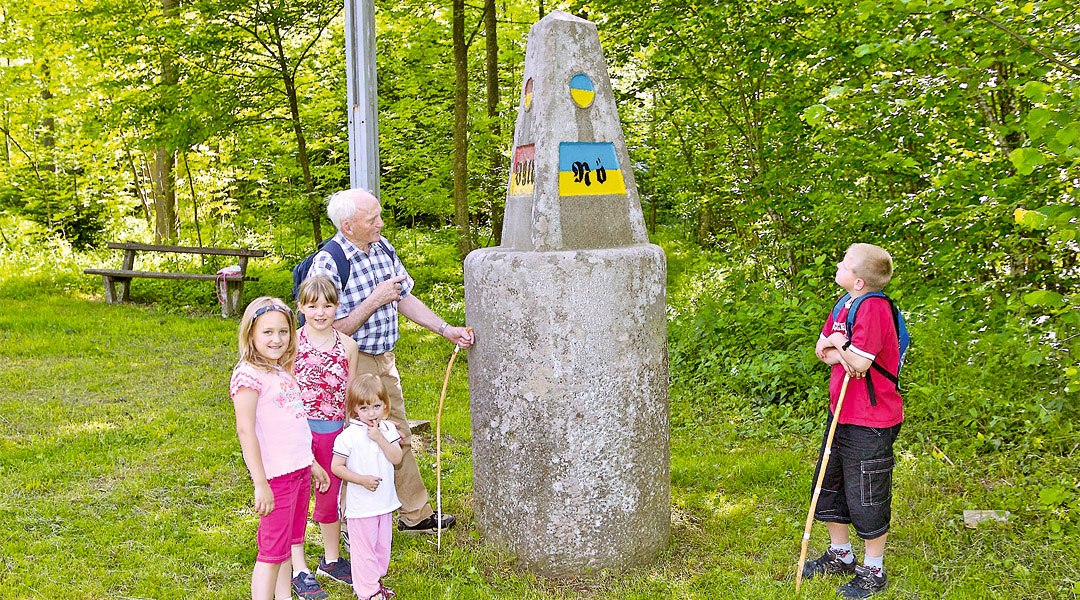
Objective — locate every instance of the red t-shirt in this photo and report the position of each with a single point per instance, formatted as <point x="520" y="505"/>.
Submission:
<point x="873" y="337"/>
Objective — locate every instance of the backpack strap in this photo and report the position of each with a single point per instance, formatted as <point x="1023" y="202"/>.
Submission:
<point x="875" y="365"/>
<point x="343" y="268"/>
<point x="389" y="249"/>
<point x="838" y="306"/>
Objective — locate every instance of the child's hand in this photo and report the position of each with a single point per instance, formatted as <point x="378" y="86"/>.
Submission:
<point x="838" y="340"/>
<point x="322" y="480"/>
<point x="848" y="369"/>
<point x="370" y="482"/>
<point x="822" y="347"/>
<point x="373" y="432"/>
<point x="264" y="499"/>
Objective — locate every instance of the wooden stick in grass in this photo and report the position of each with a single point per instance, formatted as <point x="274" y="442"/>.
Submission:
<point x="817" y="485"/>
<point x="438" y="448"/>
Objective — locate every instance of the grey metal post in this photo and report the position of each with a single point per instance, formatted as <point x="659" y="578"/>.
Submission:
<point x="362" y="96"/>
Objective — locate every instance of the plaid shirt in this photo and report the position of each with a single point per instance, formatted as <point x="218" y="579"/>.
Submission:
<point x="380" y="332"/>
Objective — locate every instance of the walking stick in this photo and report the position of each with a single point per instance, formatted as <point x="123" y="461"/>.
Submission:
<point x="817" y="486"/>
<point x="438" y="448"/>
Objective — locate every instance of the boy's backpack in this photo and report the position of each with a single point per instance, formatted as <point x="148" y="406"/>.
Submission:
<point x="901" y="332"/>
<point x="300" y="271"/>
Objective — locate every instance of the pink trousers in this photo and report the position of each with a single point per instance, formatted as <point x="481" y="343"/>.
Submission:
<point x="369" y="551"/>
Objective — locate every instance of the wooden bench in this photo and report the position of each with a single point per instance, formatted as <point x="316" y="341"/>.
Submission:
<point x="234" y="284"/>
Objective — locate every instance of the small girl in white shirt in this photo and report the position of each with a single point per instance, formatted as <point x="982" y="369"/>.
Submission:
<point x="364" y="456"/>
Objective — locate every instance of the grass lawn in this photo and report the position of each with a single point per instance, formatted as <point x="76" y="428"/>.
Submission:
<point x="121" y="477"/>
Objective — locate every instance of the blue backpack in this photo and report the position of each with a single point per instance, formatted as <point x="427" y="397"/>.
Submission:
<point x="901" y="332"/>
<point x="300" y="271"/>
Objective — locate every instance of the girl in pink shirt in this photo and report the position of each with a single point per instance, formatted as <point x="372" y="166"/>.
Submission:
<point x="275" y="440"/>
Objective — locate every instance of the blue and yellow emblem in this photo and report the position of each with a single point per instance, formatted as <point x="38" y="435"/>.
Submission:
<point x="581" y="90"/>
<point x="589" y="169"/>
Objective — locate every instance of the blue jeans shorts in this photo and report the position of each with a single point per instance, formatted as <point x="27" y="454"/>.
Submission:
<point x="857" y="488"/>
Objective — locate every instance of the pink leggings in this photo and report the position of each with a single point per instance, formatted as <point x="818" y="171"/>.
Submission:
<point x="369" y="550"/>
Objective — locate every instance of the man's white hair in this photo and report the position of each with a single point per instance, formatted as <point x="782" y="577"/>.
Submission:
<point x="343" y="205"/>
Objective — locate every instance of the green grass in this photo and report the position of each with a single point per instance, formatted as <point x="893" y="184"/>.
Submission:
<point x="121" y="477"/>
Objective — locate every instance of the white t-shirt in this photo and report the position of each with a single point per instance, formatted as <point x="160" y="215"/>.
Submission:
<point x="364" y="457"/>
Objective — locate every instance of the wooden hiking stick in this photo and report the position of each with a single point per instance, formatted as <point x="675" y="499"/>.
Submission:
<point x="438" y="449"/>
<point x="817" y="485"/>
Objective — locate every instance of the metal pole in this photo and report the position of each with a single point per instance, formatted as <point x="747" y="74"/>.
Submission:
<point x="363" y="102"/>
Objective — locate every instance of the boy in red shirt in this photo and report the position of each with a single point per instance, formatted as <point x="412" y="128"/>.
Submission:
<point x="857" y="488"/>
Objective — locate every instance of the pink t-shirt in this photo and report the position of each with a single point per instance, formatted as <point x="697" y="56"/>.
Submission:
<point x="873" y="337"/>
<point x="280" y="424"/>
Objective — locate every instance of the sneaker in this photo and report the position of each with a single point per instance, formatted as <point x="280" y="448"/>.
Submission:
<point x="340" y="570"/>
<point x="428" y="525"/>
<point x="379" y="595"/>
<point x="385" y="591"/>
<point x="305" y="586"/>
<point x="829" y="564"/>
<point x="867" y="582"/>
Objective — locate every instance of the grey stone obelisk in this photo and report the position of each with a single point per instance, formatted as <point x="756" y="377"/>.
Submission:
<point x="569" y="378"/>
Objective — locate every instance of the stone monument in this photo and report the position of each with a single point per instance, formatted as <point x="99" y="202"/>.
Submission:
<point x="569" y="378"/>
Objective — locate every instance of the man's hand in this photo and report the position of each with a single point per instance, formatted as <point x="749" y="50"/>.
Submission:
<point x="460" y="336"/>
<point x="388" y="291"/>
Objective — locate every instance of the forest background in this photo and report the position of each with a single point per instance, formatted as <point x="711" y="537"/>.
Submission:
<point x="765" y="137"/>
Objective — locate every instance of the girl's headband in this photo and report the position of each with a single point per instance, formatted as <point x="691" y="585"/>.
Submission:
<point x="262" y="311"/>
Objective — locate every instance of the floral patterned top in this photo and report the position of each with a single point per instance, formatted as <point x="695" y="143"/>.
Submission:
<point x="322" y="375"/>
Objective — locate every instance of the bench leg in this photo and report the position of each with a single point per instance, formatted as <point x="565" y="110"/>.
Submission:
<point x="124" y="287"/>
<point x="233" y="293"/>
<point x="110" y="289"/>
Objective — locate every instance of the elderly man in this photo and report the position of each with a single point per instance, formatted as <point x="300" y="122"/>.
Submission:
<point x="376" y="290"/>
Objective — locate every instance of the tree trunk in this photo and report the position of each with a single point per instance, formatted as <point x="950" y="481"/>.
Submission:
<point x="461" y="141"/>
<point x="7" y="125"/>
<point x="495" y="202"/>
<point x="652" y="167"/>
<point x="48" y="123"/>
<point x="194" y="204"/>
<point x="165" y="226"/>
<point x="313" y="204"/>
<point x="138" y="187"/>
<point x="164" y="195"/>
<point x="7" y="122"/>
<point x="48" y="138"/>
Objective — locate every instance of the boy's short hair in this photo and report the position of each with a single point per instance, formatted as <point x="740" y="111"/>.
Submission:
<point x="872" y="264"/>
<point x="365" y="389"/>
<point x="313" y="288"/>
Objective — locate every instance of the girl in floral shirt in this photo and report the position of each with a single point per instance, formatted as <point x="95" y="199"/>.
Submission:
<point x="325" y="361"/>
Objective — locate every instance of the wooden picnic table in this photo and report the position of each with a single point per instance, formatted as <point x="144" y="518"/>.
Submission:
<point x="117" y="282"/>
